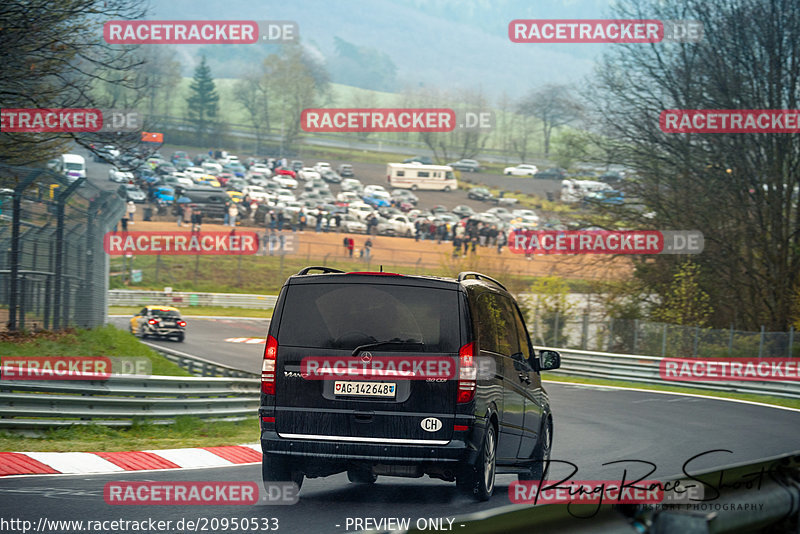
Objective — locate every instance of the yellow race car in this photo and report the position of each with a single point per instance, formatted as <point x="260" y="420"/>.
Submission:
<point x="159" y="322"/>
<point x="236" y="196"/>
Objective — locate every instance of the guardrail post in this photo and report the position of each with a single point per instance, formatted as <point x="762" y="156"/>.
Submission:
<point x="585" y="331"/>
<point x="730" y="342"/>
<point x="761" y="342"/>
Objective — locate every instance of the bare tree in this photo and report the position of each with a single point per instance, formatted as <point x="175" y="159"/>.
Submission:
<point x="251" y="91"/>
<point x="554" y="105"/>
<point x="739" y="189"/>
<point x="56" y="58"/>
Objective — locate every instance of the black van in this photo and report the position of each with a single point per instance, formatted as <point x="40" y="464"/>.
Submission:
<point x="213" y="201"/>
<point x="490" y="416"/>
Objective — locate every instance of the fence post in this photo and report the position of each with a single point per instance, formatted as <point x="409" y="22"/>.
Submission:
<point x="791" y="339"/>
<point x="16" y="220"/>
<point x="610" y="334"/>
<point x="730" y="342"/>
<point x="635" y="335"/>
<point x="60" y="263"/>
<point x="761" y="342"/>
<point x="696" y="341"/>
<point x="664" y="341"/>
<point x="585" y="331"/>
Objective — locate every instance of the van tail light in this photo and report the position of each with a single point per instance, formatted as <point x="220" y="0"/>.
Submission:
<point x="152" y="321"/>
<point x="268" y="366"/>
<point x="467" y="373"/>
<point x="181" y="323"/>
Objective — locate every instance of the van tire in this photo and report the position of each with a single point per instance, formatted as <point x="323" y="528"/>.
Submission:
<point x="541" y="455"/>
<point x="361" y="476"/>
<point x="414" y="187"/>
<point x="478" y="480"/>
<point x="447" y="189"/>
<point x="278" y="470"/>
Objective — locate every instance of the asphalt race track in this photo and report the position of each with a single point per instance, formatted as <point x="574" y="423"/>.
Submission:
<point x="593" y="426"/>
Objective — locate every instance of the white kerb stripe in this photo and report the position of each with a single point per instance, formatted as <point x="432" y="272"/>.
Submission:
<point x="255" y="446"/>
<point x="192" y="457"/>
<point x="75" y="462"/>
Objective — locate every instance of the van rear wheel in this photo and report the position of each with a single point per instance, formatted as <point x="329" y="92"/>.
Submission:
<point x="478" y="480"/>
<point x="279" y="470"/>
<point x="541" y="455"/>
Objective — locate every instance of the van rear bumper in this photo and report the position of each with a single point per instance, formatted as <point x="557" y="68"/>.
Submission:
<point x="458" y="449"/>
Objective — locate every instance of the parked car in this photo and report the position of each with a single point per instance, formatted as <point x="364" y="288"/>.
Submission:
<point x="106" y="154"/>
<point x="455" y="429"/>
<point x="346" y="170"/>
<point x="285" y="181"/>
<point x="322" y="166"/>
<point x="469" y="165"/>
<point x="351" y="184"/>
<point x="260" y="168"/>
<point x="331" y="176"/>
<point x="553" y="173"/>
<point x="159" y="322"/>
<point x="351" y="224"/>
<point x="295" y="165"/>
<point x="377" y="199"/>
<point x="116" y="175"/>
<point x="406" y="195"/>
<point x="182" y="163"/>
<point x="307" y="173"/>
<point x="134" y="193"/>
<point x="463" y="211"/>
<point x="521" y="170"/>
<point x="257" y="193"/>
<point x="165" y="169"/>
<point x="372" y="188"/>
<point x="480" y="193"/>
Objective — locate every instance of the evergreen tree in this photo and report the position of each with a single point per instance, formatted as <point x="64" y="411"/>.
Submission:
<point x="203" y="101"/>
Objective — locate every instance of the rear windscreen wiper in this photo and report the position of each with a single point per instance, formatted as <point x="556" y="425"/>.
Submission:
<point x="393" y="342"/>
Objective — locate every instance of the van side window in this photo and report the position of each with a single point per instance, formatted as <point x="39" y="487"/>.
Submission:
<point x="495" y="326"/>
<point x="400" y="173"/>
<point x="423" y="174"/>
<point x="522" y="334"/>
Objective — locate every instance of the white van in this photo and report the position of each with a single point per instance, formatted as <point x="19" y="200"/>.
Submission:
<point x="417" y="176"/>
<point x="73" y="165"/>
<point x="575" y="190"/>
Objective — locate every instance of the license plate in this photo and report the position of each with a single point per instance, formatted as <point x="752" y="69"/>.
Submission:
<point x="364" y="389"/>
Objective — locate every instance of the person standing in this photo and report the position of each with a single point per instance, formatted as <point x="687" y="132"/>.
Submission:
<point x="501" y="241"/>
<point x="197" y="220"/>
<point x="177" y="210"/>
<point x="367" y="248"/>
<point x="131" y="210"/>
<point x="124" y="222"/>
<point x="456" y="246"/>
<point x="351" y="245"/>
<point x="233" y="211"/>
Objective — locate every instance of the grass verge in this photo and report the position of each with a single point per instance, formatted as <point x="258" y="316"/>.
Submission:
<point x="102" y="341"/>
<point x="190" y="311"/>
<point x="764" y="399"/>
<point x="186" y="432"/>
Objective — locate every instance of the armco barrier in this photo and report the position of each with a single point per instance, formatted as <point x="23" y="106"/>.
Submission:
<point x="199" y="366"/>
<point x="126" y="297"/>
<point x="645" y="369"/>
<point x="121" y="400"/>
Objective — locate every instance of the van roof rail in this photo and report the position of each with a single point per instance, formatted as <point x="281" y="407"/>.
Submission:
<point x="324" y="270"/>
<point x="472" y="274"/>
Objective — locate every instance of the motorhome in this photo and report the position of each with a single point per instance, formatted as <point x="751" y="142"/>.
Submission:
<point x="417" y="176"/>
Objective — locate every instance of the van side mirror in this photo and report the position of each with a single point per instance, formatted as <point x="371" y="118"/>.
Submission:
<point x="549" y="359"/>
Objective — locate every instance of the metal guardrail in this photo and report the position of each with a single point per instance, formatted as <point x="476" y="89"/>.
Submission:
<point x="200" y="366"/>
<point x="645" y="369"/>
<point x="123" y="399"/>
<point x="126" y="297"/>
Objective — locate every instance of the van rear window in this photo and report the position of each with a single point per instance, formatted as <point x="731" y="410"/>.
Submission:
<point x="344" y="316"/>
